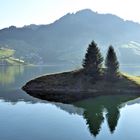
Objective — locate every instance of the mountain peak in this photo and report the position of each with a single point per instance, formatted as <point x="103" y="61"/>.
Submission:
<point x="85" y="11"/>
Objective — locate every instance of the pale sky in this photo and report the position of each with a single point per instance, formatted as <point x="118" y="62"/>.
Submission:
<point x="25" y="12"/>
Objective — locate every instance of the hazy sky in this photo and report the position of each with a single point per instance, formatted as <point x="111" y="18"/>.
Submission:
<point x="24" y="12"/>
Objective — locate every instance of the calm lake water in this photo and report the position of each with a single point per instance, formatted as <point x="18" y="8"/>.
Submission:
<point x="23" y="117"/>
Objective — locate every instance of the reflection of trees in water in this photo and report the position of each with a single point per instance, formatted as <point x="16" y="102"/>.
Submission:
<point x="9" y="73"/>
<point x="93" y="115"/>
<point x="94" y="110"/>
<point x="94" y="124"/>
<point x="113" y="113"/>
<point x="112" y="118"/>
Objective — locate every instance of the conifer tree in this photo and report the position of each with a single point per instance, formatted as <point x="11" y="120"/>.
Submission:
<point x="92" y="63"/>
<point x="112" y="64"/>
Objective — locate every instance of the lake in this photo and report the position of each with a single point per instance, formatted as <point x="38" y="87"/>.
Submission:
<point x="23" y="117"/>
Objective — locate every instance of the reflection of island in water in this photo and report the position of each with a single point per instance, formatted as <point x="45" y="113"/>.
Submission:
<point x="95" y="108"/>
<point x="9" y="73"/>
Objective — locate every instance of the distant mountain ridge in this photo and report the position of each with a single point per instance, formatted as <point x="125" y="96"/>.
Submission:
<point x="65" y="41"/>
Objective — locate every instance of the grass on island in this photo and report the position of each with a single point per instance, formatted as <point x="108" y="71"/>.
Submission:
<point x="76" y="79"/>
<point x="135" y="79"/>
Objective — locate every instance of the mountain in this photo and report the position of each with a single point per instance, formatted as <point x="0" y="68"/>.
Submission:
<point x="65" y="41"/>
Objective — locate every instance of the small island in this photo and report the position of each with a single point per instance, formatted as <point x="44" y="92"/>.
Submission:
<point x="93" y="79"/>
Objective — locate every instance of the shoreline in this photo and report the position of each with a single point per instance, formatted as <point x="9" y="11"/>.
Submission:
<point x="71" y="96"/>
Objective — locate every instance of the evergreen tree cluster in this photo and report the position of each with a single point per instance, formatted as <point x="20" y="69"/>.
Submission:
<point x="93" y="63"/>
